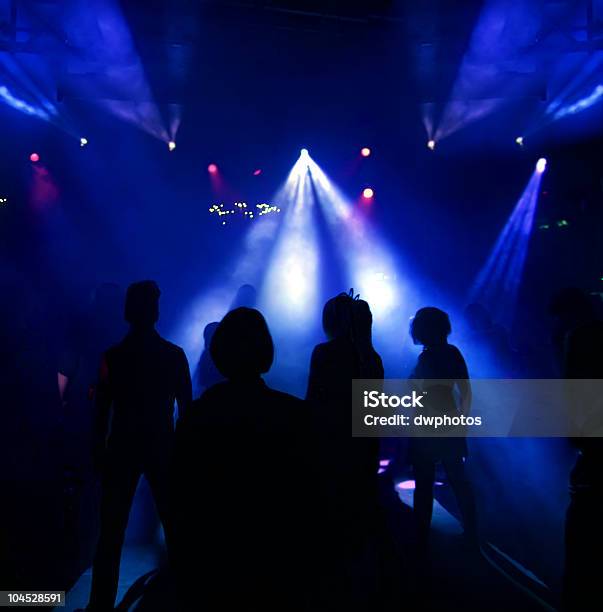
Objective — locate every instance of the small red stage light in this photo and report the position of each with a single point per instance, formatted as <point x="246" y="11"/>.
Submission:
<point x="257" y="172"/>
<point x="212" y="168"/>
<point x="34" y="157"/>
<point x="365" y="151"/>
<point x="368" y="193"/>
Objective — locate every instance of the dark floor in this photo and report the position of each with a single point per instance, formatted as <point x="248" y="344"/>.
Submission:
<point x="455" y="577"/>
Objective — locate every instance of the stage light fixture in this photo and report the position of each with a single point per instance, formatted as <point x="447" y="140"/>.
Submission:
<point x="257" y="172"/>
<point x="431" y="144"/>
<point x="34" y="157"/>
<point x="212" y="168"/>
<point x="304" y="153"/>
<point x="171" y="145"/>
<point x="83" y="142"/>
<point x="368" y="193"/>
<point x="541" y="165"/>
<point x="519" y="141"/>
<point x="365" y="151"/>
<point x="3" y="200"/>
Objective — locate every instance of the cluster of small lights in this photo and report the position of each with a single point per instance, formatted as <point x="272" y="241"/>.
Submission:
<point x="241" y="208"/>
<point x="266" y="209"/>
<point x="83" y="141"/>
<point x="171" y="145"/>
<point x="3" y="200"/>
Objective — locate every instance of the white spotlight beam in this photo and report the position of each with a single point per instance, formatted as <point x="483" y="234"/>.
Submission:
<point x="290" y="290"/>
<point x="248" y="267"/>
<point x="371" y="269"/>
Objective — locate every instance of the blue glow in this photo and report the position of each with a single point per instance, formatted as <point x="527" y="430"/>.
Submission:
<point x="21" y="105"/>
<point x="582" y="104"/>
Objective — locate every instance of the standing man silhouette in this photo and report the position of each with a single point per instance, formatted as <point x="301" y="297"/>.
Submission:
<point x="138" y="382"/>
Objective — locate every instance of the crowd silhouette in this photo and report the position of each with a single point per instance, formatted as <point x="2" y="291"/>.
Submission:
<point x="266" y="500"/>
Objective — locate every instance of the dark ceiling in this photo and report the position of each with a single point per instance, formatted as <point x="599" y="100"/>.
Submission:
<point x="430" y="37"/>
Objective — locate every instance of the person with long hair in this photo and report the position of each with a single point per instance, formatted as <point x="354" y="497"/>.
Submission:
<point x="350" y="465"/>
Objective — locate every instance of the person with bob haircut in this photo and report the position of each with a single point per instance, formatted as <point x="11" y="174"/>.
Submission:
<point x="440" y="368"/>
<point x="243" y="511"/>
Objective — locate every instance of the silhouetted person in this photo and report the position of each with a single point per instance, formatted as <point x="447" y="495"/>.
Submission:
<point x="582" y="345"/>
<point x="207" y="373"/>
<point x="243" y="515"/>
<point x="350" y="465"/>
<point x="442" y="369"/>
<point x="139" y="380"/>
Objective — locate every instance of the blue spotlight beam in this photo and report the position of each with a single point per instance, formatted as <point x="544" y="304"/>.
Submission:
<point x="491" y="68"/>
<point x="582" y="91"/>
<point x="498" y="282"/>
<point x="102" y="35"/>
<point x="24" y="88"/>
